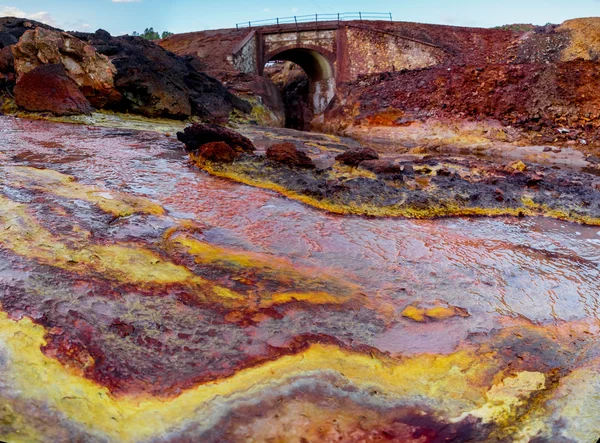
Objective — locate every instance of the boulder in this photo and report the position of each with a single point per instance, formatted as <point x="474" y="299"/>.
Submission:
<point x="381" y="166"/>
<point x="219" y="152"/>
<point x="288" y="154"/>
<point x="354" y="157"/>
<point x="48" y="88"/>
<point x="92" y="72"/>
<point x="202" y="133"/>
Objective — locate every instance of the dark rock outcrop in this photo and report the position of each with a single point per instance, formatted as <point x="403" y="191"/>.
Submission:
<point x="200" y="134"/>
<point x="13" y="28"/>
<point x="127" y="74"/>
<point x="288" y="154"/>
<point x="48" y="88"/>
<point x="6" y="60"/>
<point x="157" y="83"/>
<point x="354" y="157"/>
<point x="381" y="166"/>
<point x="219" y="152"/>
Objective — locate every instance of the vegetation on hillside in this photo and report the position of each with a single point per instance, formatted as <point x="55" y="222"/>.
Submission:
<point x="151" y="34"/>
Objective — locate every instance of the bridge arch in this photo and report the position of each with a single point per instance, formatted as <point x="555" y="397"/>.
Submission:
<point x="318" y="64"/>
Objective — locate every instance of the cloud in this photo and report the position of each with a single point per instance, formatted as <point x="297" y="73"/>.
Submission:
<point x="41" y="16"/>
<point x="295" y="9"/>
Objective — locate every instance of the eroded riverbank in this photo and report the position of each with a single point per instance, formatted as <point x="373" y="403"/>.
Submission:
<point x="145" y="300"/>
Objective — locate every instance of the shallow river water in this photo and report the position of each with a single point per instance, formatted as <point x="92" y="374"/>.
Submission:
<point x="498" y="273"/>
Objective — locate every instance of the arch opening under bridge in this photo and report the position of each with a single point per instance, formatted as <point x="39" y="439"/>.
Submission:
<point x="318" y="66"/>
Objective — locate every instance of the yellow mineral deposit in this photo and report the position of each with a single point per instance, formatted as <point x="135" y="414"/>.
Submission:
<point x="400" y="209"/>
<point x="432" y="313"/>
<point x="52" y="182"/>
<point x="456" y="383"/>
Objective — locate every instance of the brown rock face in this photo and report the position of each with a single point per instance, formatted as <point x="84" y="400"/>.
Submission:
<point x="355" y="156"/>
<point x="219" y="152"/>
<point x="200" y="134"/>
<point x="47" y="88"/>
<point x="381" y="166"/>
<point x="6" y="60"/>
<point x="93" y="73"/>
<point x="288" y="154"/>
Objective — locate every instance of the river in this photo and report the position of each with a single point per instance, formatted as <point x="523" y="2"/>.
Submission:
<point x="351" y="279"/>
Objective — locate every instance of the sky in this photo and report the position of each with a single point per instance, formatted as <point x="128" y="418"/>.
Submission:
<point x="125" y="16"/>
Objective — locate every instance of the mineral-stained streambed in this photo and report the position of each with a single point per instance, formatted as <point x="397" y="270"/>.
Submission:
<point x="145" y="300"/>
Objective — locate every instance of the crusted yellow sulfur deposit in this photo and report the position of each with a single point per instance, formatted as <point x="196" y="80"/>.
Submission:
<point x="505" y="397"/>
<point x="543" y="209"/>
<point x="264" y="267"/>
<point x="21" y="233"/>
<point x="518" y="166"/>
<point x="439" y="312"/>
<point x="125" y="263"/>
<point x="443" y="209"/>
<point x="455" y="383"/>
<point x="47" y="180"/>
<point x="346" y="172"/>
<point x="316" y="298"/>
<point x="414" y="313"/>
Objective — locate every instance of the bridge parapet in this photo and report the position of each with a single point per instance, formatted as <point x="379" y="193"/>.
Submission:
<point x="316" y="18"/>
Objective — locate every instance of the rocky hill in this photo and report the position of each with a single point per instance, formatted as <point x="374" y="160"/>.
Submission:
<point x="127" y="74"/>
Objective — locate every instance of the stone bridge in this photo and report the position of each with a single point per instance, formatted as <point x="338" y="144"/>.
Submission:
<point x="333" y="53"/>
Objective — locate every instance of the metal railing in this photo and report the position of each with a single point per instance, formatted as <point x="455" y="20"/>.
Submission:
<point x="315" y="18"/>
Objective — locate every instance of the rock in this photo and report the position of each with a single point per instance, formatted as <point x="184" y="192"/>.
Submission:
<point x="518" y="166"/>
<point x="127" y="74"/>
<point x="93" y="73"/>
<point x="353" y="157"/>
<point x="200" y="134"/>
<point x="288" y="154"/>
<point x="499" y="195"/>
<point x="219" y="152"/>
<point x="381" y="166"/>
<point x="157" y="83"/>
<point x="47" y="88"/>
<point x="16" y="27"/>
<point x="7" y="39"/>
<point x="6" y="60"/>
<point x="408" y="169"/>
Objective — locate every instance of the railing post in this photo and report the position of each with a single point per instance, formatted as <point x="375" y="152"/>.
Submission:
<point x="277" y="21"/>
<point x="391" y="17"/>
<point x="249" y="24"/>
<point x="360" y="16"/>
<point x="237" y="26"/>
<point x="296" y="21"/>
<point x="338" y="18"/>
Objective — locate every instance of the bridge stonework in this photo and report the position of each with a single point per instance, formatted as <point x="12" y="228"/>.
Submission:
<point x="332" y="54"/>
